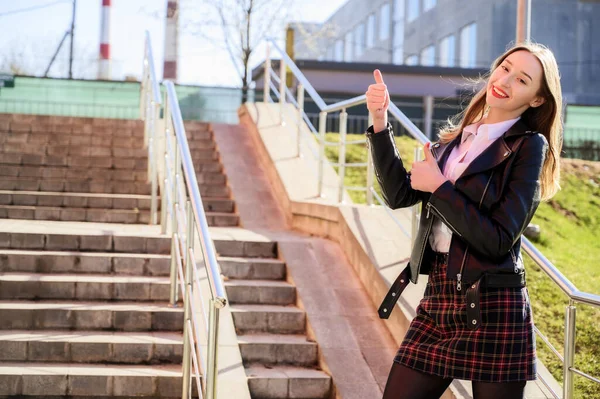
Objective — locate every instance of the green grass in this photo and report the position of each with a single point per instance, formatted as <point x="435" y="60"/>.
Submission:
<point x="569" y="225"/>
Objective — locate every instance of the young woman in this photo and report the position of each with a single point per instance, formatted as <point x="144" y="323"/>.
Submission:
<point x="480" y="185"/>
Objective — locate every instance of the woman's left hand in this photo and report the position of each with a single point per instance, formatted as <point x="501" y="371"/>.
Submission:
<point x="426" y="175"/>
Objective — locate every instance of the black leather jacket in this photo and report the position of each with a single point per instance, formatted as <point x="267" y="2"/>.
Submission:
<point x="487" y="208"/>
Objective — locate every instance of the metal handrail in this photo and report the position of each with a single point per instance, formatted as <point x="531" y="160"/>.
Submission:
<point x="170" y="163"/>
<point x="575" y="295"/>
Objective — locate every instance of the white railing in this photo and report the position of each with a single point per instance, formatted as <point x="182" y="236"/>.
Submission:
<point x="575" y="296"/>
<point x="182" y="214"/>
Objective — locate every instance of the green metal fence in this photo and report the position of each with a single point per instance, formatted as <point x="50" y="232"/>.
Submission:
<point x="111" y="99"/>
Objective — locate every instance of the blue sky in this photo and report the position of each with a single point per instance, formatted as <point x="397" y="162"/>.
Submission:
<point x="32" y="37"/>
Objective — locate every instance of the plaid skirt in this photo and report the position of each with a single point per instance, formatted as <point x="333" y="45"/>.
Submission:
<point x="439" y="342"/>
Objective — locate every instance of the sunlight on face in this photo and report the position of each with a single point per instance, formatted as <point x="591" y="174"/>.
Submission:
<point x="514" y="85"/>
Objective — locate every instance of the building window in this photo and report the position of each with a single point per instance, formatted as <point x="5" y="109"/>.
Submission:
<point x="428" y="4"/>
<point x="428" y="56"/>
<point x="411" y="60"/>
<point x="468" y="46"/>
<point x="384" y="22"/>
<point x="371" y="31"/>
<point x="398" y="41"/>
<point x="339" y="51"/>
<point x="413" y="10"/>
<point x="348" y="47"/>
<point x="359" y="40"/>
<point x="447" y="51"/>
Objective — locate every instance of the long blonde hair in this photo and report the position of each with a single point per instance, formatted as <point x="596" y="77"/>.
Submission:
<point x="546" y="119"/>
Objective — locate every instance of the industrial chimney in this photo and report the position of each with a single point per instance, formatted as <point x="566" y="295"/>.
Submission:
<point x="171" y="40"/>
<point x="104" y="61"/>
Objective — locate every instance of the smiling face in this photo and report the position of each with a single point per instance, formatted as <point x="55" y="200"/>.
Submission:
<point x="514" y="85"/>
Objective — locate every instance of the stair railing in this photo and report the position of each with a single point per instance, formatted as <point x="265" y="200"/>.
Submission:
<point x="282" y="93"/>
<point x="182" y="215"/>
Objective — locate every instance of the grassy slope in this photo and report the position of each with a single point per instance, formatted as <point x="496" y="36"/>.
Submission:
<point x="570" y="227"/>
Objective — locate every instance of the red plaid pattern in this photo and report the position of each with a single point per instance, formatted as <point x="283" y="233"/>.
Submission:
<point x="439" y="342"/>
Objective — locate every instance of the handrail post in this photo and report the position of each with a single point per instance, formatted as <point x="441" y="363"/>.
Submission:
<point x="187" y="358"/>
<point x="322" y="128"/>
<point x="370" y="170"/>
<point x="174" y="225"/>
<point x="300" y="120"/>
<point x="428" y="116"/>
<point x="281" y="90"/>
<point x="167" y="136"/>
<point x="342" y="154"/>
<point x="213" y="341"/>
<point x="267" y="75"/>
<point x="154" y="160"/>
<point x="415" y="208"/>
<point x="569" y="355"/>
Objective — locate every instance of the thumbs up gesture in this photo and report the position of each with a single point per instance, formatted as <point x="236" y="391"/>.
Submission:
<point x="378" y="101"/>
<point x="426" y="175"/>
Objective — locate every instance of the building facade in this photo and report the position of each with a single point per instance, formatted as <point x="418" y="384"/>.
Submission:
<point x="460" y="34"/>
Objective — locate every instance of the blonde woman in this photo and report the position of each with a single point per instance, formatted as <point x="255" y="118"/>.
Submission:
<point x="480" y="185"/>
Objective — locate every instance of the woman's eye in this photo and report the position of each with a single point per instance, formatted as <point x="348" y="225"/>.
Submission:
<point x="503" y="67"/>
<point x="522" y="81"/>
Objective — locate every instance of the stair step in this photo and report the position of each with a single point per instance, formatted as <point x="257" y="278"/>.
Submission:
<point x="61" y="172"/>
<point x="96" y="185"/>
<point x="103" y="201"/>
<point x="84" y="381"/>
<point x="252" y="268"/>
<point x="66" y="150"/>
<point x="245" y="248"/>
<point x="74" y="161"/>
<point x="84" y="262"/>
<point x="268" y="319"/>
<point x="265" y="292"/>
<point x="73" y="139"/>
<point x="91" y="347"/>
<point x="74" y="214"/>
<point x="278" y="349"/>
<point x="222" y="219"/>
<point x="85" y="242"/>
<point x="283" y="382"/>
<point x="80" y="315"/>
<point x="87" y="287"/>
<point x="77" y="138"/>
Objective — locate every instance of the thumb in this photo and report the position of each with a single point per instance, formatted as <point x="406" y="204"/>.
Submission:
<point x="427" y="151"/>
<point x="378" y="77"/>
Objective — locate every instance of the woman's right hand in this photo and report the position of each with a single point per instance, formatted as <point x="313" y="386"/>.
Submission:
<point x="378" y="102"/>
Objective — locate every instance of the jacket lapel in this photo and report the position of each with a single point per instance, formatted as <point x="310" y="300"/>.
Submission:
<point x="496" y="152"/>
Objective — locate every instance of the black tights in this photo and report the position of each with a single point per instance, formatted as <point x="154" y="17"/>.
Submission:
<point x="406" y="383"/>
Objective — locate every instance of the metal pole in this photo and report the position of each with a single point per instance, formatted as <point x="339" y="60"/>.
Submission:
<point x="281" y="90"/>
<point x="267" y="75"/>
<point x="174" y="226"/>
<point x="167" y="136"/>
<point x="416" y="209"/>
<point x="428" y="115"/>
<point x="569" y="351"/>
<point x="300" y="120"/>
<point x="370" y="171"/>
<point x="342" y="153"/>
<point x="213" y="341"/>
<point x="154" y="160"/>
<point x="187" y="358"/>
<point x="72" y="41"/>
<point x="523" y="20"/>
<point x="322" y="127"/>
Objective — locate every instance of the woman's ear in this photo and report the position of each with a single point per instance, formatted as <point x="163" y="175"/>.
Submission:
<point x="537" y="102"/>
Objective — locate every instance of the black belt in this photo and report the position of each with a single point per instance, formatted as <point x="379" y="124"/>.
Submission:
<point x="472" y="294"/>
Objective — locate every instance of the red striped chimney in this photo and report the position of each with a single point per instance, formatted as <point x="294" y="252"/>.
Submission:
<point x="171" y="40"/>
<point x="104" y="64"/>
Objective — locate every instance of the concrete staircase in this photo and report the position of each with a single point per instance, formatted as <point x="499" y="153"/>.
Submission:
<point x="280" y="361"/>
<point x="84" y="306"/>
<point x="94" y="170"/>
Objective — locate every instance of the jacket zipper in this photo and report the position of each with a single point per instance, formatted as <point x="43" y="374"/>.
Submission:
<point x="437" y="212"/>
<point x="462" y="266"/>
<point x="512" y="254"/>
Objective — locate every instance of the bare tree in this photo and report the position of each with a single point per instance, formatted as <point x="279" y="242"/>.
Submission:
<point x="239" y="27"/>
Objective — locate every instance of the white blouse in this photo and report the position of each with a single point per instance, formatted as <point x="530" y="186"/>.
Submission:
<point x="475" y="139"/>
